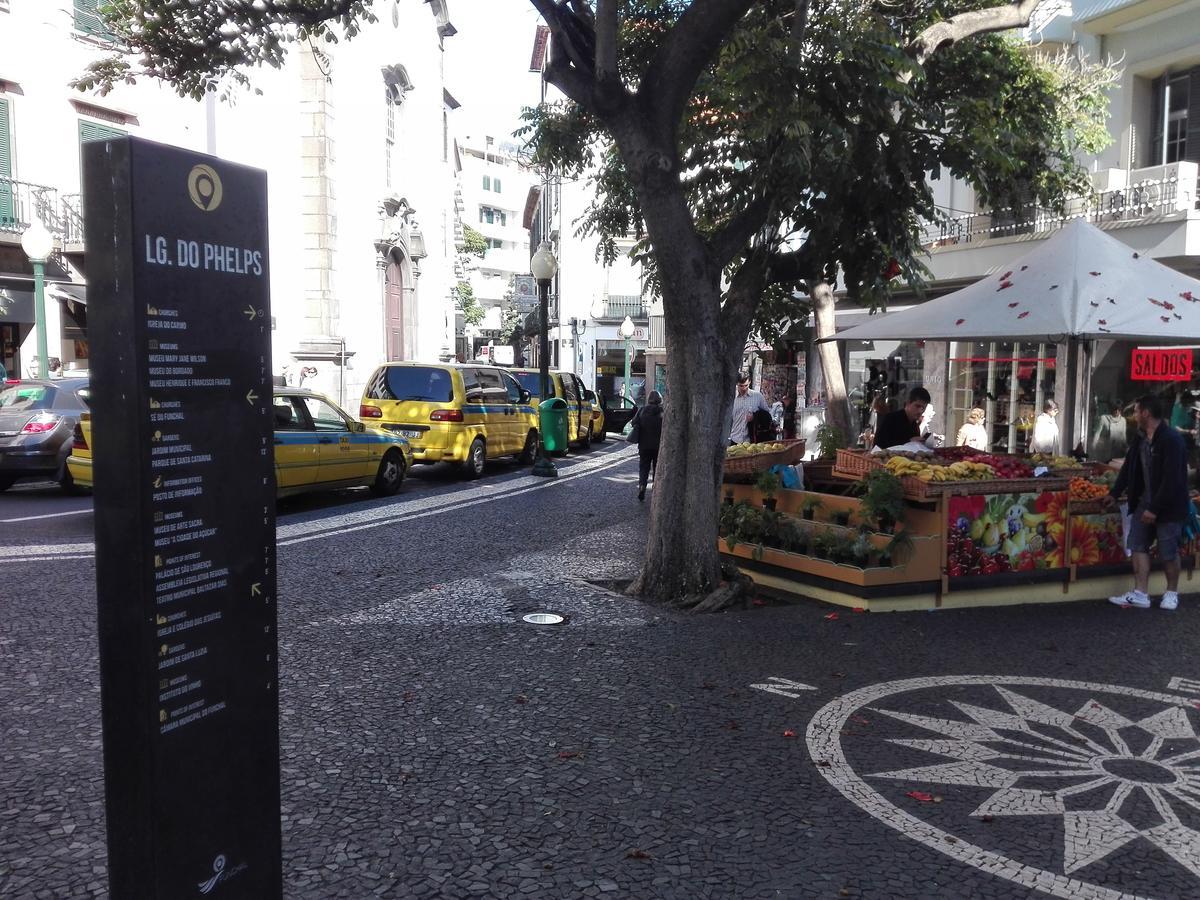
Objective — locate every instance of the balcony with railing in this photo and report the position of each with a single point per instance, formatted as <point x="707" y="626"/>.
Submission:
<point x="1121" y="197"/>
<point x="22" y="201"/>
<point x="617" y="306"/>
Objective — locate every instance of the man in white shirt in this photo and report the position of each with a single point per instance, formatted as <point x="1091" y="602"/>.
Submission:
<point x="745" y="404"/>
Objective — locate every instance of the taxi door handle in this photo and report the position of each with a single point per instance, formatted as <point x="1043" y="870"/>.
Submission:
<point x="278" y="442"/>
<point x="325" y="440"/>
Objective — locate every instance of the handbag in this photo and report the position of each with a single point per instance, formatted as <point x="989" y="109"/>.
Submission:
<point x="635" y="430"/>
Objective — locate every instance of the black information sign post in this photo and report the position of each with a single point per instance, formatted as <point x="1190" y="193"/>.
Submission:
<point x="185" y="520"/>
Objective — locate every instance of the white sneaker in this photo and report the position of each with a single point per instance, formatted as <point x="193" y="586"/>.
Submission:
<point x="1170" y="600"/>
<point x="1131" y="598"/>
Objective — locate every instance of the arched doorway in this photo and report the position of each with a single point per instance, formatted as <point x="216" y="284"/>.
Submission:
<point x="393" y="301"/>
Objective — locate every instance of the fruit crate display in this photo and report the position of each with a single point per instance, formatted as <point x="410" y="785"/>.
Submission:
<point x="953" y="471"/>
<point x="748" y="459"/>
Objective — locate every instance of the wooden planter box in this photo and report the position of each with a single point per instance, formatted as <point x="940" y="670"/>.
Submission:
<point x="920" y="568"/>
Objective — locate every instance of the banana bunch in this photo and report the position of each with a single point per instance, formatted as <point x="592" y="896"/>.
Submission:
<point x="743" y="450"/>
<point x="959" y="471"/>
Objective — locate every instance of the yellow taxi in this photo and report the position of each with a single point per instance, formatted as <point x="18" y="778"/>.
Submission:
<point x="585" y="416"/>
<point x="317" y="447"/>
<point x="461" y="413"/>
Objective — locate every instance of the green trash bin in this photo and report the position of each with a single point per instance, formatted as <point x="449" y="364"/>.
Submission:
<point x="552" y="414"/>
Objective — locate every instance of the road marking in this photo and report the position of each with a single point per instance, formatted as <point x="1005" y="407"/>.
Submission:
<point x="784" y="687"/>
<point x="73" y="512"/>
<point x="361" y="520"/>
<point x="534" y="484"/>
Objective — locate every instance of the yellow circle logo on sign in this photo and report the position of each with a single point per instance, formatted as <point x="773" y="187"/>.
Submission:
<point x="204" y="187"/>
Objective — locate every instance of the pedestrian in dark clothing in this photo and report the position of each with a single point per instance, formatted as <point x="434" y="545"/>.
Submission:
<point x="647" y="427"/>
<point x="1154" y="476"/>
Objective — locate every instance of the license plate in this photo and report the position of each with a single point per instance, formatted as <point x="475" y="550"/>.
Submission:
<point x="411" y="435"/>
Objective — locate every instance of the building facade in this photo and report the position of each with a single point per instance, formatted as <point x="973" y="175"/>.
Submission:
<point x="361" y="183"/>
<point x="1145" y="192"/>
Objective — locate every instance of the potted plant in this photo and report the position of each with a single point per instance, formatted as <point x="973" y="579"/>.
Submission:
<point x="841" y="517"/>
<point x="883" y="500"/>
<point x="768" y="483"/>
<point x="862" y="551"/>
<point x="810" y="505"/>
<point x="830" y="440"/>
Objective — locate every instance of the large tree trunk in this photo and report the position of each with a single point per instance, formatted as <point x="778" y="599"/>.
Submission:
<point x="837" y="405"/>
<point x="682" y="565"/>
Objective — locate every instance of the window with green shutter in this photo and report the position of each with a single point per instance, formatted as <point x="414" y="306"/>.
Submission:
<point x="88" y="20"/>
<point x="7" y="219"/>
<point x="92" y="131"/>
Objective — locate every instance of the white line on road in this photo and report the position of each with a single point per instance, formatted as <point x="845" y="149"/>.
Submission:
<point x="58" y="515"/>
<point x="363" y="519"/>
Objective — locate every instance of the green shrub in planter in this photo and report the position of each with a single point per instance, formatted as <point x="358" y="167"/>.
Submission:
<point x="883" y="500"/>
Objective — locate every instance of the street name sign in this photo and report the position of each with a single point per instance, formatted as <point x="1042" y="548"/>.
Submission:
<point x="179" y="310"/>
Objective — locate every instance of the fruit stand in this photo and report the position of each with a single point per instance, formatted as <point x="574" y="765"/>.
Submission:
<point x="952" y="527"/>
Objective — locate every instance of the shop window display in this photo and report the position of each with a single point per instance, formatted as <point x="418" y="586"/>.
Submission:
<point x="879" y="375"/>
<point x="1009" y="381"/>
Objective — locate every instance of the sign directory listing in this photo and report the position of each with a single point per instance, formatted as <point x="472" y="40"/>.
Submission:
<point x="179" y="303"/>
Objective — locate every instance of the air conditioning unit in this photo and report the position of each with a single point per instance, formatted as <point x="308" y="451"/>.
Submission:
<point x="1110" y="180"/>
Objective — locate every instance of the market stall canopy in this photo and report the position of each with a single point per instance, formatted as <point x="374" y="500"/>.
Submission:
<point x="1080" y="282"/>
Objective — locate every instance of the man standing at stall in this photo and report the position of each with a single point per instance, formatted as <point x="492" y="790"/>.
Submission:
<point x="902" y="425"/>
<point x="745" y="405"/>
<point x="1154" y="475"/>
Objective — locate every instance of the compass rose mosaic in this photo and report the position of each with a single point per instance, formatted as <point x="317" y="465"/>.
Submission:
<point x="1072" y="788"/>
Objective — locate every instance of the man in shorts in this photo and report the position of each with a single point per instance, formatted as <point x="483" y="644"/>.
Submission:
<point x="1154" y="475"/>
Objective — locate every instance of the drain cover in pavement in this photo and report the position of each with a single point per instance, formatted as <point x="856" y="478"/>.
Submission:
<point x="543" y="619"/>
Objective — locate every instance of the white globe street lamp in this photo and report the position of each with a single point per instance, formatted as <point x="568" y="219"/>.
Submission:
<point x="627" y="331"/>
<point x="543" y="266"/>
<point x="38" y="244"/>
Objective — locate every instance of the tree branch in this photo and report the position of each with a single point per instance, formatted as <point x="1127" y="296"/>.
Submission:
<point x="569" y="69"/>
<point x="969" y="24"/>
<point x="741" y="302"/>
<point x="689" y="46"/>
<point x="732" y="239"/>
<point x="606" y="40"/>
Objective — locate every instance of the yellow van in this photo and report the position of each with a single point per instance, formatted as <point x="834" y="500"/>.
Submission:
<point x="585" y="419"/>
<point x="453" y="412"/>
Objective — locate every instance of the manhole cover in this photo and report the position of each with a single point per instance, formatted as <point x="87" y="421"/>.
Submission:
<point x="543" y="619"/>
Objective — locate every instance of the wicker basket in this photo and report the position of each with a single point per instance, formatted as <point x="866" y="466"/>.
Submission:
<point x="854" y="463"/>
<point x="792" y="453"/>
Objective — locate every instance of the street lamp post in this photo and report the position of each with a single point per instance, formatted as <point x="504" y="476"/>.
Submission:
<point x="542" y="266"/>
<point x="38" y="243"/>
<point x="627" y="331"/>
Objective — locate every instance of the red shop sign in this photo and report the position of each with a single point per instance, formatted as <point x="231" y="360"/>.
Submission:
<point x="1155" y="364"/>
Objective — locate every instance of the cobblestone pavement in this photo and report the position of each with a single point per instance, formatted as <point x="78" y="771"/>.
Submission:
<point x="434" y="745"/>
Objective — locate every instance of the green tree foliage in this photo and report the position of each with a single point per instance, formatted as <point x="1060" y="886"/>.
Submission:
<point x="474" y="243"/>
<point x="464" y="299"/>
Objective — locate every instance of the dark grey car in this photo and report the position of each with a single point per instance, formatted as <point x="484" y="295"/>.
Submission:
<point x="37" y="424"/>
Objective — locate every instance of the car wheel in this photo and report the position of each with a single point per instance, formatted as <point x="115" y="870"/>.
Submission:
<point x="7" y="481"/>
<point x="599" y="437"/>
<point x="527" y="455"/>
<point x="67" y="483"/>
<point x="586" y="443"/>
<point x="476" y="459"/>
<point x="390" y="475"/>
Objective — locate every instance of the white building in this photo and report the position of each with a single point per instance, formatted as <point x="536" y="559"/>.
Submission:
<point x="361" y="183"/>
<point x="494" y="186"/>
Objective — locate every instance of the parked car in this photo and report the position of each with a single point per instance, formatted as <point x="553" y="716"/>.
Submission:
<point x="37" y="419"/>
<point x="583" y="412"/>
<point x="618" y="412"/>
<point x="318" y="446"/>
<point x="458" y="413"/>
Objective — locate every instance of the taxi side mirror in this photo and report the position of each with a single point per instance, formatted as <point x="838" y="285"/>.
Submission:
<point x="358" y="427"/>
<point x="525" y="396"/>
<point x="590" y="396"/>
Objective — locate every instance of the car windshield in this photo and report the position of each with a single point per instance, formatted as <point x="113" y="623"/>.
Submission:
<point x="531" y="381"/>
<point x="21" y="397"/>
<point x="417" y="383"/>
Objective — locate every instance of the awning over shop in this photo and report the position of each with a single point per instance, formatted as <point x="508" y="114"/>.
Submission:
<point x="1081" y="282"/>
<point x="16" y="306"/>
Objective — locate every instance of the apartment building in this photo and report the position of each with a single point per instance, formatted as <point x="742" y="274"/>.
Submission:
<point x="494" y="184"/>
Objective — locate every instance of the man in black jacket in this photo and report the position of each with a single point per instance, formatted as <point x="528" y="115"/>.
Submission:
<point x="648" y="424"/>
<point x="1154" y="475"/>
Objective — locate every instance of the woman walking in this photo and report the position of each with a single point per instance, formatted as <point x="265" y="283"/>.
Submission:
<point x="647" y="426"/>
